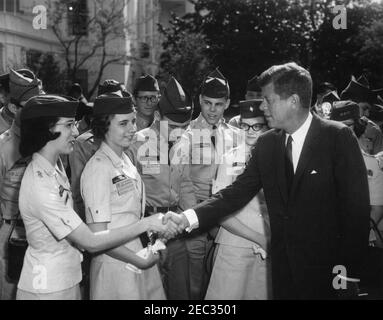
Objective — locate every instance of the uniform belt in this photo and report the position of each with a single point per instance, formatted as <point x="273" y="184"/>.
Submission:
<point x="19" y="222"/>
<point x="150" y="209"/>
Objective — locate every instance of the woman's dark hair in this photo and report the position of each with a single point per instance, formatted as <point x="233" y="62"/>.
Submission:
<point x="35" y="134"/>
<point x="100" y="125"/>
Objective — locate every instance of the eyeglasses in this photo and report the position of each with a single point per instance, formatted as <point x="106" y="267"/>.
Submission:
<point x="70" y="125"/>
<point x="152" y="99"/>
<point x="255" y="127"/>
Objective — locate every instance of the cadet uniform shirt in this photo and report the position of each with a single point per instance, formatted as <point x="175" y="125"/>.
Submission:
<point x="374" y="165"/>
<point x="84" y="148"/>
<point x="12" y="168"/>
<point x="112" y="191"/>
<point x="166" y="185"/>
<point x="254" y="214"/>
<point x="51" y="262"/>
<point x="203" y="157"/>
<point x="5" y="120"/>
<point x="143" y="123"/>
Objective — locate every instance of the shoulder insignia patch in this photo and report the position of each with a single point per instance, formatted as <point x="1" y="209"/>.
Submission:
<point x="379" y="158"/>
<point x="39" y="174"/>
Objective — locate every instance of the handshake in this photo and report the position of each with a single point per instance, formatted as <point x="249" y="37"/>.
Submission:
<point x="167" y="226"/>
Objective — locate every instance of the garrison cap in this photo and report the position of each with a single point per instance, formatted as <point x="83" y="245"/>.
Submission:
<point x="23" y="85"/>
<point x="331" y="97"/>
<point x="112" y="104"/>
<point x="146" y="83"/>
<point x="357" y="92"/>
<point x="325" y="86"/>
<point x="175" y="103"/>
<point x="215" y="85"/>
<point x="108" y="86"/>
<point x="4" y="78"/>
<point x="344" y="110"/>
<point x="250" y="108"/>
<point x="49" y="106"/>
<point x="363" y="81"/>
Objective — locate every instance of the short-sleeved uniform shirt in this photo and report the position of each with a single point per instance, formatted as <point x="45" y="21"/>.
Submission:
<point x="374" y="165"/>
<point x="166" y="184"/>
<point x="12" y="167"/>
<point x="254" y="214"/>
<point x="5" y="120"/>
<point x="51" y="262"/>
<point x="112" y="191"/>
<point x="84" y="148"/>
<point x="197" y="148"/>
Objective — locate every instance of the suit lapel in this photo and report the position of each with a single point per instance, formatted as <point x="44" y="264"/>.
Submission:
<point x="307" y="151"/>
<point x="280" y="156"/>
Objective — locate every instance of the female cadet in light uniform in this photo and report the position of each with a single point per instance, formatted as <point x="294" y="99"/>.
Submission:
<point x="240" y="272"/>
<point x="52" y="264"/>
<point x="113" y="194"/>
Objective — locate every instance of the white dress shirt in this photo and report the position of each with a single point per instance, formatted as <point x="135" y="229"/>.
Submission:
<point x="298" y="137"/>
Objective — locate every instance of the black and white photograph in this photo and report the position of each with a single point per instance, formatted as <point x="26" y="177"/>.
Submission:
<point x="191" y="154"/>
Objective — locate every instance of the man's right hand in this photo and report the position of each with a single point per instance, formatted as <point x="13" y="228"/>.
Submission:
<point x="179" y="219"/>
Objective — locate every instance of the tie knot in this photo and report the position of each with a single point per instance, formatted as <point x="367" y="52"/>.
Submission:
<point x="289" y="140"/>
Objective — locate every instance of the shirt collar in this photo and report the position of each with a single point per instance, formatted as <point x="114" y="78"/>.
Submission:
<point x="300" y="134"/>
<point x="121" y="163"/>
<point x="15" y="129"/>
<point x="201" y="120"/>
<point x="116" y="160"/>
<point x="46" y="165"/>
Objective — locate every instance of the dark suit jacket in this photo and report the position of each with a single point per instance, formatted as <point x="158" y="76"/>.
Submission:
<point x="323" y="222"/>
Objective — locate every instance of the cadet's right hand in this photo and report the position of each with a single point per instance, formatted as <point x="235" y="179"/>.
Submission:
<point x="166" y="230"/>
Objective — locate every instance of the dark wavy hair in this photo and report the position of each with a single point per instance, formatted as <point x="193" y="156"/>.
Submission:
<point x="289" y="79"/>
<point x="35" y="134"/>
<point x="100" y="125"/>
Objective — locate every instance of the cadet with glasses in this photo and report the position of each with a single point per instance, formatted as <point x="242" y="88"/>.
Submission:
<point x="241" y="268"/>
<point x="52" y="226"/>
<point x="146" y="94"/>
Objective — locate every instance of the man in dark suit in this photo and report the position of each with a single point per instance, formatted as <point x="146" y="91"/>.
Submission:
<point x="314" y="179"/>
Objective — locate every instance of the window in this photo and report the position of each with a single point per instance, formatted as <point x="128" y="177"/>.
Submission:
<point x="144" y="50"/>
<point x="11" y="6"/>
<point x="77" y="17"/>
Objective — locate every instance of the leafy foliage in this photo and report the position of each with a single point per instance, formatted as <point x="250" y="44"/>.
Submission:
<point x="244" y="37"/>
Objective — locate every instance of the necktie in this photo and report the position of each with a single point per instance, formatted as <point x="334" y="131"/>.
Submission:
<point x="170" y="145"/>
<point x="289" y="166"/>
<point x="213" y="135"/>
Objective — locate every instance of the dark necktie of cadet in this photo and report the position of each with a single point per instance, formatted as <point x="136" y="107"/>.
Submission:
<point x="213" y="135"/>
<point x="289" y="166"/>
<point x="170" y="145"/>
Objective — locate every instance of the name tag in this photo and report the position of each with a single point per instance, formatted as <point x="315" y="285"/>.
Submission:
<point x="123" y="184"/>
<point x="149" y="159"/>
<point x="151" y="168"/>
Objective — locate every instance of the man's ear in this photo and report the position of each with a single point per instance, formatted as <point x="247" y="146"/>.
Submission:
<point x="295" y="100"/>
<point x="227" y="104"/>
